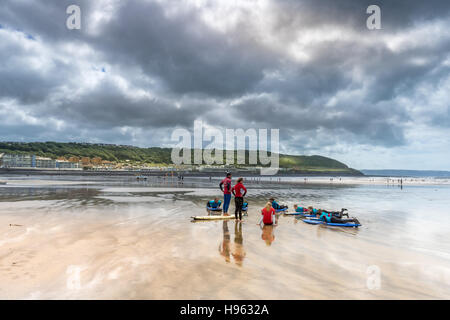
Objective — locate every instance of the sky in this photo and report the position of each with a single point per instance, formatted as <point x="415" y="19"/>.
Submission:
<point x="137" y="70"/>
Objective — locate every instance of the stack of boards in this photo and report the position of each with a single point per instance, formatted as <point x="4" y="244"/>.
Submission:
<point x="313" y="220"/>
<point x="317" y="221"/>
<point x="299" y="214"/>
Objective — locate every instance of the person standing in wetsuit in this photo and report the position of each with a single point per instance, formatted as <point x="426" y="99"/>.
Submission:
<point x="225" y="186"/>
<point x="239" y="192"/>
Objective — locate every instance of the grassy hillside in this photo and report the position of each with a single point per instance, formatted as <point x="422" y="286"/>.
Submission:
<point x="155" y="155"/>
<point x="104" y="151"/>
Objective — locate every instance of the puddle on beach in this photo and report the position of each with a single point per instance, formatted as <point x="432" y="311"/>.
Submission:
<point x="118" y="239"/>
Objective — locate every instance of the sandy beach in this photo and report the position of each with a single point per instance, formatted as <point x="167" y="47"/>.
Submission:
<point x="122" y="240"/>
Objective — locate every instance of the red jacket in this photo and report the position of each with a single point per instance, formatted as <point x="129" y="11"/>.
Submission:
<point x="237" y="190"/>
<point x="267" y="215"/>
<point x="226" y="183"/>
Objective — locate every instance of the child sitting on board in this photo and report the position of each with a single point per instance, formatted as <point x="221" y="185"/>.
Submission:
<point x="245" y="209"/>
<point x="268" y="215"/>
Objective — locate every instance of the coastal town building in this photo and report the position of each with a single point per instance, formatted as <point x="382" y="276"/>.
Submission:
<point x="18" y="161"/>
<point x="64" y="164"/>
<point x="74" y="159"/>
<point x="33" y="161"/>
<point x="96" y="161"/>
<point x="86" y="162"/>
<point x="47" y="163"/>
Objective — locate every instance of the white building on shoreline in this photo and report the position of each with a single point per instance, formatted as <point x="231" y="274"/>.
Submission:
<point x="27" y="161"/>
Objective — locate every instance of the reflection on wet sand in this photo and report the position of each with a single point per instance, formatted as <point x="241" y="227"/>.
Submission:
<point x="224" y="247"/>
<point x="267" y="234"/>
<point x="239" y="252"/>
<point x="238" y="249"/>
<point x="106" y="235"/>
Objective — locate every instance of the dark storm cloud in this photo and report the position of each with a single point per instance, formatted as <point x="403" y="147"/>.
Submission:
<point x="182" y="51"/>
<point x="44" y="18"/>
<point x="384" y="127"/>
<point x="106" y="107"/>
<point x="179" y="68"/>
<point x="397" y="14"/>
<point x="21" y="81"/>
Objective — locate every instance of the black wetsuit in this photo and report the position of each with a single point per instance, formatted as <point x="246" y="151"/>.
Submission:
<point x="239" y="202"/>
<point x="339" y="220"/>
<point x="238" y="199"/>
<point x="337" y="214"/>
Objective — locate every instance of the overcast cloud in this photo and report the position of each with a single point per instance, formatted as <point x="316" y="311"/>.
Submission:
<point x="138" y="69"/>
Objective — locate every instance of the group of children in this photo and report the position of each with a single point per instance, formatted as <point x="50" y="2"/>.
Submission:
<point x="268" y="213"/>
<point x="325" y="215"/>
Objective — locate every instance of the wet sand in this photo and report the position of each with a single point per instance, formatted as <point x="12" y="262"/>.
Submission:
<point x="137" y="242"/>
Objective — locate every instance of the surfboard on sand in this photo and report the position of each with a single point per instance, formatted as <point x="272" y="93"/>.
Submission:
<point x="347" y="224"/>
<point x="212" y="217"/>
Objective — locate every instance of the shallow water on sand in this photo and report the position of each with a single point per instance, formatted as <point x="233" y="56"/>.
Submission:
<point x="93" y="238"/>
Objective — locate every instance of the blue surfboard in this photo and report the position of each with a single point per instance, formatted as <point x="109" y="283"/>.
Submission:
<point x="300" y="214"/>
<point x="317" y="221"/>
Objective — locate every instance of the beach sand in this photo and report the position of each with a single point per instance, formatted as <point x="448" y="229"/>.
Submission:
<point x="144" y="246"/>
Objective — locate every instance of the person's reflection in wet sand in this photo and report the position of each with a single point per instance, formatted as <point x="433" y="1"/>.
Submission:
<point x="224" y="248"/>
<point x="267" y="234"/>
<point x="239" y="252"/>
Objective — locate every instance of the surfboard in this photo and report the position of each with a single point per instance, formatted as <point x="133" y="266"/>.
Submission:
<point x="299" y="214"/>
<point x="212" y="217"/>
<point x="317" y="221"/>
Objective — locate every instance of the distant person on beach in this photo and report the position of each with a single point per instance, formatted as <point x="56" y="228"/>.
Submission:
<point x="225" y="186"/>
<point x="276" y="205"/>
<point x="268" y="215"/>
<point x="239" y="192"/>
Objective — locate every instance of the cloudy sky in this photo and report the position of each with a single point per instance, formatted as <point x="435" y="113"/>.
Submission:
<point x="138" y="69"/>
